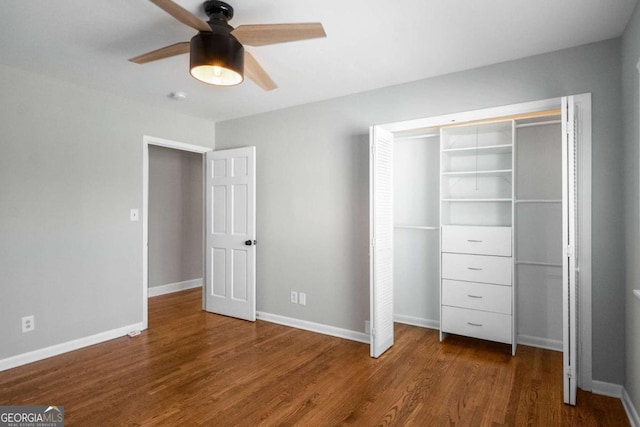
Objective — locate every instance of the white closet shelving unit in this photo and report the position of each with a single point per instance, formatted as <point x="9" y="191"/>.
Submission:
<point x="476" y="196"/>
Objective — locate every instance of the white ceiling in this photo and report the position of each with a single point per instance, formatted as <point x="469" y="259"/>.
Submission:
<point x="370" y="44"/>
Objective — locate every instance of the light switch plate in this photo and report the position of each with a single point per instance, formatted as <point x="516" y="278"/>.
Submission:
<point x="134" y="214"/>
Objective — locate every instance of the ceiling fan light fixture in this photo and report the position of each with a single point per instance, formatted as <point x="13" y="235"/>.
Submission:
<point x="217" y="59"/>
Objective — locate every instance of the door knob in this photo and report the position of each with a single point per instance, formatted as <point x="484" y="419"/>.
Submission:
<point x="250" y="242"/>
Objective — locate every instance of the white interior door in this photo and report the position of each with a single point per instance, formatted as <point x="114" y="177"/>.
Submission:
<point x="570" y="283"/>
<point x="381" y="239"/>
<point x="230" y="274"/>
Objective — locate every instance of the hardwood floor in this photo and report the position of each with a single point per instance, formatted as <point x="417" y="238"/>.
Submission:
<point x="195" y="368"/>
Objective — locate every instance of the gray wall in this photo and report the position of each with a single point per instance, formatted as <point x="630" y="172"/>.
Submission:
<point x="312" y="165"/>
<point x="631" y="122"/>
<point x="175" y="216"/>
<point x="70" y="171"/>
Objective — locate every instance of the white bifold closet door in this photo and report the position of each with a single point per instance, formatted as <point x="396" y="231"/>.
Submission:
<point x="570" y="278"/>
<point x="381" y="239"/>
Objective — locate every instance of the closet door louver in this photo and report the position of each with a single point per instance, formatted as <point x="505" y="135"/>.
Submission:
<point x="569" y="266"/>
<point x="381" y="239"/>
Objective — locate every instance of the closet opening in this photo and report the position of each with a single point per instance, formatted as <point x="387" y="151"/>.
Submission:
<point x="475" y="219"/>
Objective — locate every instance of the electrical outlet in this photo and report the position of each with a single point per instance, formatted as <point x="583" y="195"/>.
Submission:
<point x="302" y="298"/>
<point x="28" y="323"/>
<point x="367" y="327"/>
<point x="294" y="297"/>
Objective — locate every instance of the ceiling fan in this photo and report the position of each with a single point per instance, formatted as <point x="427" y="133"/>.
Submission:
<point x="217" y="55"/>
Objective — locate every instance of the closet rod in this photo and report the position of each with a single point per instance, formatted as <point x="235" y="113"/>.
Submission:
<point x="539" y="201"/>
<point x="541" y="264"/>
<point x="417" y="227"/>
<point x="546" y="113"/>
<point x="549" y="122"/>
<point x="425" y="135"/>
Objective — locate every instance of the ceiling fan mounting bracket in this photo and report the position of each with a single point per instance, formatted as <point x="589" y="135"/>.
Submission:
<point x="218" y="10"/>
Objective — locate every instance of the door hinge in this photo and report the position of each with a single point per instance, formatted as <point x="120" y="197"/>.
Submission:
<point x="569" y="252"/>
<point x="569" y="127"/>
<point x="373" y="149"/>
<point x="373" y="242"/>
<point x="373" y="332"/>
<point x="570" y="372"/>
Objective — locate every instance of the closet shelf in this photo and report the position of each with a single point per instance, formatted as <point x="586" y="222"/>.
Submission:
<point x="541" y="264"/>
<point x="489" y="149"/>
<point x="466" y="224"/>
<point x="545" y="123"/>
<point x="538" y="201"/>
<point x="497" y="172"/>
<point x="416" y="227"/>
<point x="476" y="200"/>
<point x="477" y="225"/>
<point x="419" y="136"/>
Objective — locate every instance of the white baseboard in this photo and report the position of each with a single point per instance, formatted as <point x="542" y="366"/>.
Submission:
<point x="632" y="414"/>
<point x="174" y="287"/>
<point x="607" y="389"/>
<point x="314" y="327"/>
<point x="618" y="391"/>
<point x="55" y="350"/>
<point x="416" y="321"/>
<point x="544" y="343"/>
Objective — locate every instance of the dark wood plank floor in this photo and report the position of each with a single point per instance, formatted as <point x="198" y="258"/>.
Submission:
<point x="195" y="368"/>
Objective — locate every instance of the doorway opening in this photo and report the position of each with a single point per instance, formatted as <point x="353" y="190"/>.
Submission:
<point x="175" y="220"/>
<point x="151" y="143"/>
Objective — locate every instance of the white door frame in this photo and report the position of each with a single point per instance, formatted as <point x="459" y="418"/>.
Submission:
<point x="160" y="142"/>
<point x="585" y="380"/>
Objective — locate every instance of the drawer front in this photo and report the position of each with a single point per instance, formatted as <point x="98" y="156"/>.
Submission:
<point x="477" y="296"/>
<point x="477" y="240"/>
<point x="477" y="324"/>
<point x="477" y="268"/>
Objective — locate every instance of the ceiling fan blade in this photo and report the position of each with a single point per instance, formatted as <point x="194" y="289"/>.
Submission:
<point x="182" y="14"/>
<point x="255" y="72"/>
<point x="163" y="52"/>
<point x="265" y="34"/>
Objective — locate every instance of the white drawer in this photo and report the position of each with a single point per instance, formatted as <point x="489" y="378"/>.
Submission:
<point x="477" y="268"/>
<point x="477" y="240"/>
<point x="477" y="296"/>
<point x="477" y="324"/>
